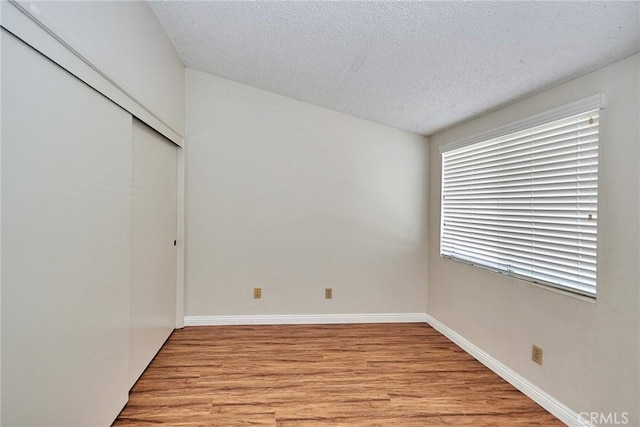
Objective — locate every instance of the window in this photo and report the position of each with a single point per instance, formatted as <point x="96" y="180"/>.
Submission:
<point x="525" y="203"/>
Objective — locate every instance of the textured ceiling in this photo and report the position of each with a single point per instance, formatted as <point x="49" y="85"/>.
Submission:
<point x="418" y="66"/>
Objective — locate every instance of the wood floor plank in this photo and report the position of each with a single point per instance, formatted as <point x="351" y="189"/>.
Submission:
<point x="323" y="375"/>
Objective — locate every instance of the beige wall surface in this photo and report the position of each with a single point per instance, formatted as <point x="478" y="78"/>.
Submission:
<point x="126" y="42"/>
<point x="591" y="348"/>
<point x="294" y="198"/>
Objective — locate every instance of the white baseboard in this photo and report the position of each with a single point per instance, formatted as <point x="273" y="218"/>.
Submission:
<point x="548" y="402"/>
<point x="293" y="319"/>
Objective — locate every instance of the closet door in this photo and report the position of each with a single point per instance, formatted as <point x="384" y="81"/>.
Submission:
<point x="154" y="226"/>
<point x="66" y="221"/>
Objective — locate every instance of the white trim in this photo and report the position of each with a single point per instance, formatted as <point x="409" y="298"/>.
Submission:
<point x="40" y="34"/>
<point x="535" y="393"/>
<point x="295" y="319"/>
<point x="590" y="103"/>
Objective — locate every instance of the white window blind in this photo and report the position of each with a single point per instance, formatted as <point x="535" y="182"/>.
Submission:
<point x="525" y="203"/>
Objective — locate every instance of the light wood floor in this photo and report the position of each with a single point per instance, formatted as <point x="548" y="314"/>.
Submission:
<point x="323" y="375"/>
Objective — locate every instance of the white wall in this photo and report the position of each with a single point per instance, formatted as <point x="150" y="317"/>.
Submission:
<point x="294" y="198"/>
<point x="591" y="349"/>
<point x="126" y="42"/>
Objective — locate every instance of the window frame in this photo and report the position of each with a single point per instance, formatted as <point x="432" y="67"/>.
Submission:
<point x="595" y="102"/>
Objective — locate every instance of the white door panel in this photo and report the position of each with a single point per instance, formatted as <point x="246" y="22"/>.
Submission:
<point x="66" y="221"/>
<point x="153" y="269"/>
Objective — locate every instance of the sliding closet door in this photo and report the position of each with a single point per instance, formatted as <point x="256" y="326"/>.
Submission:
<point x="154" y="226"/>
<point x="66" y="221"/>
